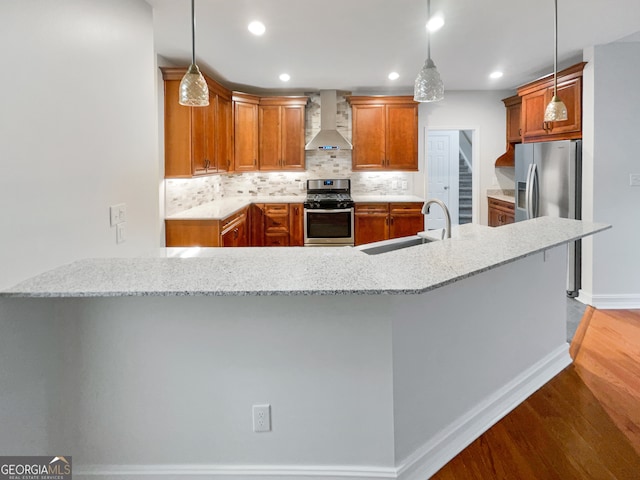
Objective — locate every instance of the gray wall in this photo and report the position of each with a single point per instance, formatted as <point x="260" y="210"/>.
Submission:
<point x="77" y="132"/>
<point x="611" y="261"/>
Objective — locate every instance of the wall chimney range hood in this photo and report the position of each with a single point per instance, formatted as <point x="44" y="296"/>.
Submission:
<point x="328" y="138"/>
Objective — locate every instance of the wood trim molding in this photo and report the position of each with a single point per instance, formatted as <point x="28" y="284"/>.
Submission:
<point x="547" y="81"/>
<point x="285" y="101"/>
<point x="381" y="100"/>
<point x="245" y="98"/>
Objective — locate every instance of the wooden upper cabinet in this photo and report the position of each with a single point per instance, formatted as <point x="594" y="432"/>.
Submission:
<point x="197" y="139"/>
<point x="270" y="137"/>
<point x="223" y="128"/>
<point x="368" y="137"/>
<point x="385" y="133"/>
<point x="537" y="95"/>
<point x="402" y="137"/>
<point x="245" y="132"/>
<point x="513" y="106"/>
<point x="281" y="133"/>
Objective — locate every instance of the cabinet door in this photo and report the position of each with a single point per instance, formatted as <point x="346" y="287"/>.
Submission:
<point x="269" y="133"/>
<point x="256" y="225"/>
<point x="533" y="107"/>
<point x="402" y="137"/>
<point x="177" y="133"/>
<point x="405" y="219"/>
<point x="296" y="225"/>
<point x="245" y="137"/>
<point x="494" y="217"/>
<point x="242" y="233"/>
<point x="570" y="92"/>
<point x="292" y="129"/>
<point x="223" y="134"/>
<point x="514" y="132"/>
<point x="192" y="233"/>
<point x="371" y="223"/>
<point x="368" y="137"/>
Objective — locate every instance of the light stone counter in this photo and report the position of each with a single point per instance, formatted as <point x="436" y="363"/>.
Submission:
<point x="220" y="209"/>
<point x="386" y="198"/>
<point x="306" y="271"/>
<point x="504" y="198"/>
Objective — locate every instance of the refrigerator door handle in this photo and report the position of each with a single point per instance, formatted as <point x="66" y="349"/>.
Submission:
<point x="535" y="191"/>
<point x="528" y="192"/>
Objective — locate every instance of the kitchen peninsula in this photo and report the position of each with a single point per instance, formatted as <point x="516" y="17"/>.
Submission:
<point x="375" y="366"/>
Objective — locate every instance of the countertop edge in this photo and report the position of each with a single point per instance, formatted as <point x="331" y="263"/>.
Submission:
<point x="16" y="292"/>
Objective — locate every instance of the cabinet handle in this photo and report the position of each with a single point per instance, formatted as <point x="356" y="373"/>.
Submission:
<point x="386" y="221"/>
<point x="206" y="163"/>
<point x="255" y="161"/>
<point x="235" y="233"/>
<point x="519" y="132"/>
<point x="296" y="210"/>
<point x="391" y="220"/>
<point x="228" y="163"/>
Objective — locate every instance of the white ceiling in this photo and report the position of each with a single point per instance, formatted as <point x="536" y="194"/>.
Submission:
<point x="352" y="45"/>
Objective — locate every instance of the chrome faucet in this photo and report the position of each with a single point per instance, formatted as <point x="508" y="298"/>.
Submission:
<point x="447" y="216"/>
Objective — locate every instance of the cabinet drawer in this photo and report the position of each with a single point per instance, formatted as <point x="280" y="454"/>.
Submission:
<point x="411" y="208"/>
<point x="372" y="208"/>
<point x="506" y="207"/>
<point x="276" y="208"/>
<point x="280" y="239"/>
<point x="232" y="219"/>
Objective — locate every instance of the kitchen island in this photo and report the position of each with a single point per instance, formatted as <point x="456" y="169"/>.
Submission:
<point x="374" y="366"/>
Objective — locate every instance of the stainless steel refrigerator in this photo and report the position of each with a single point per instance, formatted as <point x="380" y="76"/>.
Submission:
<point x="548" y="183"/>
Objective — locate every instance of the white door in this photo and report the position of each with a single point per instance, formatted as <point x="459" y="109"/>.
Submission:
<point x="442" y="175"/>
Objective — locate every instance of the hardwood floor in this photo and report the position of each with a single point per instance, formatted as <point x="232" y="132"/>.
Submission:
<point x="583" y="424"/>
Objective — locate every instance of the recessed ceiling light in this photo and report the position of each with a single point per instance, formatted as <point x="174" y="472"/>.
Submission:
<point x="285" y="77"/>
<point x="435" y="23"/>
<point x="495" y="74"/>
<point x="394" y="76"/>
<point x="257" y="28"/>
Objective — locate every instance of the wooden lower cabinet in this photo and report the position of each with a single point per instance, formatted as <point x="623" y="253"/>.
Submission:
<point x="381" y="221"/>
<point x="500" y="212"/>
<point x="229" y="232"/>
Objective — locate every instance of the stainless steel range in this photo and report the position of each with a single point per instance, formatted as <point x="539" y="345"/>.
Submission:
<point x="328" y="213"/>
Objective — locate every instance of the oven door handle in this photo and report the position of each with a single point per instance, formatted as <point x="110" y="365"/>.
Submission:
<point x="334" y="210"/>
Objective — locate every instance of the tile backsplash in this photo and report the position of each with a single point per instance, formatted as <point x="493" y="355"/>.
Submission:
<point x="182" y="194"/>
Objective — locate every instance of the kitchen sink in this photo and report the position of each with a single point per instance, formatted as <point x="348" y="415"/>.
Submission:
<point x="385" y="246"/>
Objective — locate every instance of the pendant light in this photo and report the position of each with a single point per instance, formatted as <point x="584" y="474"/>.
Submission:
<point x="428" y="86"/>
<point x="556" y="110"/>
<point x="194" y="91"/>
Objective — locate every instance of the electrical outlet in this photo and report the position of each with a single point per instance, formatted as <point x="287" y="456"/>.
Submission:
<point x="404" y="185"/>
<point x="301" y="186"/>
<point x="262" y="418"/>
<point x="634" y="179"/>
<point x="118" y="213"/>
<point x="394" y="184"/>
<point x="121" y="233"/>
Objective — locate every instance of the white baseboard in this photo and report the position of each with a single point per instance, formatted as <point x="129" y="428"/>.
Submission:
<point x="432" y="456"/>
<point x="420" y="465"/>
<point x="231" y="472"/>
<point x="610" y="302"/>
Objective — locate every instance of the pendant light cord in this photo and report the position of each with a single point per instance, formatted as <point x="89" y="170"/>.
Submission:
<point x="555" y="57"/>
<point x="428" y="31"/>
<point x="193" y="32"/>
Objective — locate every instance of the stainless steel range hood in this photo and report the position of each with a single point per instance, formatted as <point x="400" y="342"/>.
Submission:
<point x="328" y="138"/>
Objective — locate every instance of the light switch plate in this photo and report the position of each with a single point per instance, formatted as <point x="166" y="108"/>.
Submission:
<point x="634" y="179"/>
<point x="118" y="213"/>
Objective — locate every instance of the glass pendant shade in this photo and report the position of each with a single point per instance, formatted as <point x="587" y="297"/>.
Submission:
<point x="428" y="86"/>
<point x="194" y="91"/>
<point x="556" y="111"/>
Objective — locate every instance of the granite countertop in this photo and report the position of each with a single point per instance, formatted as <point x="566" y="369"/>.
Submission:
<point x="504" y="198"/>
<point x="221" y="209"/>
<point x="306" y="271"/>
